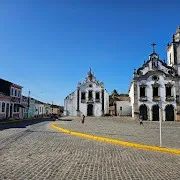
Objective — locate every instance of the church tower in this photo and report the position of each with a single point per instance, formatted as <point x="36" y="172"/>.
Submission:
<point x="173" y="51"/>
<point x="173" y="56"/>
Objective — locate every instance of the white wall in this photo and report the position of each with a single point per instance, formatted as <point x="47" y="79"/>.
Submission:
<point x="70" y="103"/>
<point x="131" y="95"/>
<point x="106" y="101"/>
<point x="126" y="108"/>
<point x="162" y="93"/>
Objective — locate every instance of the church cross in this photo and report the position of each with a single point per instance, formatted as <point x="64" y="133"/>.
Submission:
<point x="153" y="45"/>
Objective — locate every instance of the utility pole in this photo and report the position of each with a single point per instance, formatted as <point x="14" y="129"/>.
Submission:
<point x="28" y="104"/>
<point x="52" y="107"/>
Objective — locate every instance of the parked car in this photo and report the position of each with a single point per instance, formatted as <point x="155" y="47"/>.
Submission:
<point x="54" y="117"/>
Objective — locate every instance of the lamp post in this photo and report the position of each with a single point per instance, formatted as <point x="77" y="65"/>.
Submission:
<point x="160" y="124"/>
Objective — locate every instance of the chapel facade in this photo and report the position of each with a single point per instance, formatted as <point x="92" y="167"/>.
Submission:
<point x="90" y="98"/>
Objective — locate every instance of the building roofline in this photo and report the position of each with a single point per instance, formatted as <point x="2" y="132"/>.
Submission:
<point x="11" y="83"/>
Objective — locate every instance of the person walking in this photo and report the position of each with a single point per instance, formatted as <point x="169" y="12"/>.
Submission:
<point x="140" y="120"/>
<point x="83" y="118"/>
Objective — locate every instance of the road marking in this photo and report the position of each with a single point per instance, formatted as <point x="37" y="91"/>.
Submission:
<point x="115" y="141"/>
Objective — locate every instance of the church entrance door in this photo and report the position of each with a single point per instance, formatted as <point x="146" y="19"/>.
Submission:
<point x="155" y="113"/>
<point x="143" y="112"/>
<point x="90" y="110"/>
<point x="169" y="113"/>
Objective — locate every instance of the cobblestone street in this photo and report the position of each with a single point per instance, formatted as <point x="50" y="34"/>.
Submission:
<point x="38" y="152"/>
<point x="126" y="128"/>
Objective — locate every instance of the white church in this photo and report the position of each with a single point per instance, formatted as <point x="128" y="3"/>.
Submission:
<point x="155" y="88"/>
<point x="90" y="98"/>
<point x="154" y="93"/>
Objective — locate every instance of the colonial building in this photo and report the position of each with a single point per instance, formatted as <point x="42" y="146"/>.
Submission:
<point x="5" y="101"/>
<point x="40" y="108"/>
<point x="90" y="98"/>
<point x="153" y="90"/>
<point x="11" y="106"/>
<point x="25" y="103"/>
<point x="119" y="104"/>
<point x="57" y="110"/>
<point x="48" y="109"/>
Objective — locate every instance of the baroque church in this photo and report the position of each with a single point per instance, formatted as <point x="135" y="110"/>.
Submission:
<point x="155" y="89"/>
<point x="90" y="98"/>
<point x="154" y="93"/>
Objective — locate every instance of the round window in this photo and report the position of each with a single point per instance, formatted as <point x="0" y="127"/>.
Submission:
<point x="155" y="78"/>
<point x="170" y="72"/>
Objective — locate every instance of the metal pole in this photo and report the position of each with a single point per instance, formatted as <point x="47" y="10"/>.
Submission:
<point x="160" y="127"/>
<point x="160" y="131"/>
<point x="28" y="104"/>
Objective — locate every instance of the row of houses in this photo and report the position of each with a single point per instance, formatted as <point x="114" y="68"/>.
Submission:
<point x="16" y="106"/>
<point x="154" y="91"/>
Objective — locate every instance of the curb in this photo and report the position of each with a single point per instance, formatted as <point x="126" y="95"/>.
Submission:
<point x="18" y="121"/>
<point x="116" y="141"/>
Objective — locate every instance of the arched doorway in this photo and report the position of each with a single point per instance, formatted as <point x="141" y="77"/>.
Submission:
<point x="89" y="110"/>
<point x="155" y="113"/>
<point x="169" y="110"/>
<point x="143" y="112"/>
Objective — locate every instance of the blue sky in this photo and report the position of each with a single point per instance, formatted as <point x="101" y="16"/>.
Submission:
<point x="47" y="46"/>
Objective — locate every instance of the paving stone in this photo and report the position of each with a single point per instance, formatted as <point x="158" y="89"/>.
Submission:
<point x="42" y="153"/>
<point x="126" y="128"/>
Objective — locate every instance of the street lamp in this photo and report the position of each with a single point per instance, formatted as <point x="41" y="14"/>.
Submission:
<point x="160" y="124"/>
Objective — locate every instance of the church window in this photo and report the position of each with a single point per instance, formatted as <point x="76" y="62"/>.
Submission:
<point x="142" y="91"/>
<point x="168" y="91"/>
<point x="83" y="95"/>
<point x="90" y="85"/>
<point x="90" y="96"/>
<point x="97" y="96"/>
<point x="155" y="91"/>
<point x="155" y="78"/>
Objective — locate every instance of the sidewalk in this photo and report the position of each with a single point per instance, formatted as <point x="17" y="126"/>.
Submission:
<point x="127" y="129"/>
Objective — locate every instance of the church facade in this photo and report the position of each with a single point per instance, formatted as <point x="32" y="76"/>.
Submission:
<point x="90" y="98"/>
<point x="155" y="88"/>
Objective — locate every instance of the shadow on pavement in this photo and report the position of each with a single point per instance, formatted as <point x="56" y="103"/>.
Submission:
<point x="22" y="124"/>
<point x="64" y="120"/>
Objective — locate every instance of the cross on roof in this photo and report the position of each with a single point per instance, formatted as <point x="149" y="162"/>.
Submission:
<point x="90" y="70"/>
<point x="153" y="45"/>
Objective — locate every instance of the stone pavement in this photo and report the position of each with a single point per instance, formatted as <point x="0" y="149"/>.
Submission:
<point x="37" y="152"/>
<point x="126" y="128"/>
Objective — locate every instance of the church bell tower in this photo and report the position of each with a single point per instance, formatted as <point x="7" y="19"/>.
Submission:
<point x="173" y="51"/>
<point x="173" y="56"/>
